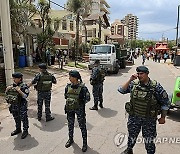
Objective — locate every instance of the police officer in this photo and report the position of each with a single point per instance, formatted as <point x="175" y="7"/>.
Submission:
<point x="147" y="99"/>
<point x="16" y="95"/>
<point x="76" y="95"/>
<point x="96" y="80"/>
<point x="43" y="81"/>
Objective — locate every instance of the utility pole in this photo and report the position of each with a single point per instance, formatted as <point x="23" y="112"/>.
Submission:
<point x="100" y="25"/>
<point x="7" y="40"/>
<point x="177" y="28"/>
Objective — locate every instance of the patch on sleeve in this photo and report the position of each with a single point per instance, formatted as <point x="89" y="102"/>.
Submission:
<point x="26" y="91"/>
<point x="165" y="95"/>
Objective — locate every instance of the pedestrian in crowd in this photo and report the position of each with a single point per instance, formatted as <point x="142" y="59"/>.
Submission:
<point x="165" y="56"/>
<point x="76" y="95"/>
<point x="48" y="56"/>
<point x="143" y="58"/>
<point x="16" y="95"/>
<point x="172" y="56"/>
<point x="159" y="57"/>
<point x="65" y="55"/>
<point x="147" y="99"/>
<point x="155" y="57"/>
<point x="43" y="81"/>
<point x="96" y="80"/>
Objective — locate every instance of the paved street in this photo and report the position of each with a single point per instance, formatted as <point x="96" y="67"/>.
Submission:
<point x="103" y="125"/>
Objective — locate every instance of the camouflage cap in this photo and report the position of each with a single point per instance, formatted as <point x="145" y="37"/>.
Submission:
<point x="17" y="75"/>
<point x="42" y="66"/>
<point x="142" y="69"/>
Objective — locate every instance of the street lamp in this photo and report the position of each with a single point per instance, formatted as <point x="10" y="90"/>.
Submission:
<point x="177" y="27"/>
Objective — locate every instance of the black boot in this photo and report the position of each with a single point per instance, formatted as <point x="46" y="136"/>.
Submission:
<point x="49" y="119"/>
<point x="94" y="108"/>
<point x="127" y="151"/>
<point x="69" y="143"/>
<point x="101" y="105"/>
<point x="24" y="134"/>
<point x="15" y="132"/>
<point x="39" y="118"/>
<point x="84" y="147"/>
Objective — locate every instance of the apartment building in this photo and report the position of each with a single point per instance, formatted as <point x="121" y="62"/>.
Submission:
<point x="65" y="30"/>
<point x="119" y="32"/>
<point x="132" y="23"/>
<point x="97" y="21"/>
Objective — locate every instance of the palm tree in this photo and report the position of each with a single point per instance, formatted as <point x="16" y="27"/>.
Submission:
<point x="21" y="13"/>
<point x="79" y="7"/>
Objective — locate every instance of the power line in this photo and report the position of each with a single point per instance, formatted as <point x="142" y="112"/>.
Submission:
<point x="158" y="32"/>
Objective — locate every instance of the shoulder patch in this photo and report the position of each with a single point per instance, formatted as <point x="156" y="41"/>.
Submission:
<point x="27" y="90"/>
<point x="165" y="95"/>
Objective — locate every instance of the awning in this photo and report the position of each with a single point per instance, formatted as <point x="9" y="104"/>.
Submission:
<point x="161" y="47"/>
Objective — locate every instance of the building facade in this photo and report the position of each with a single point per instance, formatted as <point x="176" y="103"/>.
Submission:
<point x="118" y="32"/>
<point x="132" y="23"/>
<point x="97" y="23"/>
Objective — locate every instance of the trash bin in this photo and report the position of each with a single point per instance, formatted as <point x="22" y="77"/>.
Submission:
<point x="52" y="60"/>
<point x="22" y="57"/>
<point x="29" y="61"/>
<point x="22" y="61"/>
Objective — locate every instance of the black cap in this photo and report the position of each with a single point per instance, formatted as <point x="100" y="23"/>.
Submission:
<point x="97" y="61"/>
<point x="17" y="75"/>
<point x="75" y="74"/>
<point x="42" y="66"/>
<point x="142" y="69"/>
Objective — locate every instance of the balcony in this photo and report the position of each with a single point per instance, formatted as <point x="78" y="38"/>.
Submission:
<point x="105" y="3"/>
<point x="104" y="9"/>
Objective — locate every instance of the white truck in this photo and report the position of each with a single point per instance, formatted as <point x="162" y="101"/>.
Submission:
<point x="111" y="57"/>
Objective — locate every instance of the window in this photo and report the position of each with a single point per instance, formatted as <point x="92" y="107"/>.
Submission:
<point x="89" y="33"/>
<point x="64" y="25"/>
<point x="71" y="26"/>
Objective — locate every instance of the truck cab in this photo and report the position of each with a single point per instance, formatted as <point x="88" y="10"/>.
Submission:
<point x="109" y="56"/>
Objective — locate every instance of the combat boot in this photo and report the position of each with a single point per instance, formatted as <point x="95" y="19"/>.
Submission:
<point x="15" y="132"/>
<point x="24" y="134"/>
<point x="69" y="143"/>
<point x="49" y="119"/>
<point x="94" y="108"/>
<point x="84" y="147"/>
<point x="127" y="151"/>
<point x="101" y="105"/>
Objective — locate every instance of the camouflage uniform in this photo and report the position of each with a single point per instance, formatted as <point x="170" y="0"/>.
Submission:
<point x="97" y="82"/>
<point x="84" y="97"/>
<point x="19" y="111"/>
<point x="148" y="124"/>
<point x="43" y="96"/>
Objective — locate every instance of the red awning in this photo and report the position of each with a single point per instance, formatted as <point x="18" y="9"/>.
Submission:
<point x="161" y="47"/>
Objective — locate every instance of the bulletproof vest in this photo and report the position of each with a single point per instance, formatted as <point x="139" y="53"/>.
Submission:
<point x="12" y="96"/>
<point x="100" y="77"/>
<point x="45" y="82"/>
<point x="72" y="100"/>
<point x="143" y="102"/>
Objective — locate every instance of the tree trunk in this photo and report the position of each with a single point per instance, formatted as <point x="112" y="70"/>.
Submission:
<point x="77" y="38"/>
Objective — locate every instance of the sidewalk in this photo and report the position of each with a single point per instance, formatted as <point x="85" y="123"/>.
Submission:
<point x="61" y="76"/>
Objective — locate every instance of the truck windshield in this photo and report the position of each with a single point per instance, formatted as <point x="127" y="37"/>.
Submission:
<point x="101" y="49"/>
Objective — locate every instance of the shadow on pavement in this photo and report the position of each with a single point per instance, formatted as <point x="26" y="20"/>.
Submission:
<point x="78" y="150"/>
<point x="1" y="128"/>
<point x="174" y="115"/>
<point x="107" y="112"/>
<point x="52" y="126"/>
<point x="26" y="144"/>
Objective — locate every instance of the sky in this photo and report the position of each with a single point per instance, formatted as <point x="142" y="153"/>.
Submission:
<point x="157" y="18"/>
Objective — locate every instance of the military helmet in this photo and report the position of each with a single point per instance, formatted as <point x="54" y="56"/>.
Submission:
<point x="142" y="69"/>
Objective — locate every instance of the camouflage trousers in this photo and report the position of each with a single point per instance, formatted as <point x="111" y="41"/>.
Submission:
<point x="46" y="97"/>
<point x="81" y="117"/>
<point x="19" y="113"/>
<point x="97" y="93"/>
<point x="148" y="126"/>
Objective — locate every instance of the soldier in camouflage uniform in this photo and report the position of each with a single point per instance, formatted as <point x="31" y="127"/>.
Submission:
<point x="43" y="81"/>
<point x="76" y="95"/>
<point x="147" y="100"/>
<point x="16" y="95"/>
<point x="96" y="80"/>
